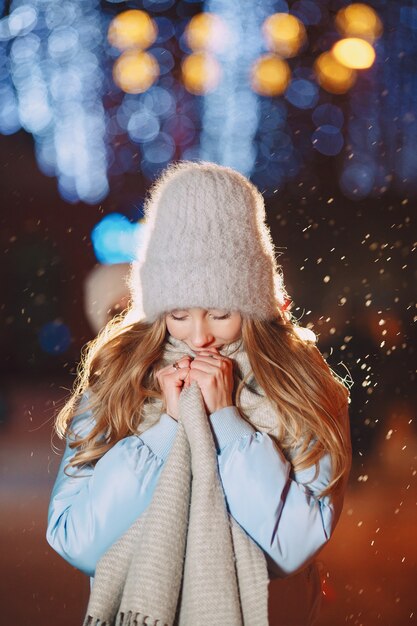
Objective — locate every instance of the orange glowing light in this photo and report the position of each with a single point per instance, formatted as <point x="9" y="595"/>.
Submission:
<point x="132" y="29"/>
<point x="332" y="75"/>
<point x="201" y="73"/>
<point x="353" y="52"/>
<point x="206" y="32"/>
<point x="135" y="71"/>
<point x="359" y="20"/>
<point x="270" y="75"/>
<point x="284" y="34"/>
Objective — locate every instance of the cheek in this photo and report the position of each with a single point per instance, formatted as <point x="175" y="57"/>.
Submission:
<point x="233" y="330"/>
<point x="176" y="329"/>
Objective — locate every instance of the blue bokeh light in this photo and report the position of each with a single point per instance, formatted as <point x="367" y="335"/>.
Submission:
<point x="328" y="114"/>
<point x="160" y="101"/>
<point x="54" y="72"/>
<point x="115" y="239"/>
<point x="327" y="140"/>
<point x="165" y="29"/>
<point x="357" y="180"/>
<point x="143" y="125"/>
<point x="160" y="150"/>
<point x="9" y="115"/>
<point x="302" y="93"/>
<point x="22" y="20"/>
<point x="165" y="59"/>
<point x="54" y="337"/>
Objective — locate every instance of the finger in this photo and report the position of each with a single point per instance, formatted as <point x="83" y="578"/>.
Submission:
<point x="183" y="362"/>
<point x="209" y="351"/>
<point x="203" y="369"/>
<point x="181" y="373"/>
<point x="208" y="360"/>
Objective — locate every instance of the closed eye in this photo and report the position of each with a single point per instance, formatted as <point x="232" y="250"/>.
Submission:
<point x="180" y="319"/>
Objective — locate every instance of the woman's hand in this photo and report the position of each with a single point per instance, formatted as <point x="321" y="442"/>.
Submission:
<point x="171" y="381"/>
<point x="214" y="375"/>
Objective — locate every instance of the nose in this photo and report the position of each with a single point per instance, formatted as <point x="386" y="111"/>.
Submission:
<point x="201" y="336"/>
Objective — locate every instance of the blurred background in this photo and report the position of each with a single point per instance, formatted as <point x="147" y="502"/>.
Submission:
<point x="316" y="102"/>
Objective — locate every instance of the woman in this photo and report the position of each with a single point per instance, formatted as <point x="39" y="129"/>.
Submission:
<point x="207" y="350"/>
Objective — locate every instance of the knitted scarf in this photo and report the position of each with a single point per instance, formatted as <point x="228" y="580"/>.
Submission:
<point x="185" y="561"/>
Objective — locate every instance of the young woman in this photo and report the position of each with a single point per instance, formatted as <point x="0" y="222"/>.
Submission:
<point x="208" y="316"/>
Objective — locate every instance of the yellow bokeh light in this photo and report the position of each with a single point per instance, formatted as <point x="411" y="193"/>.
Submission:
<point x="353" y="52"/>
<point x="332" y="75"/>
<point x="135" y="71"/>
<point x="359" y="20"/>
<point x="206" y="32"/>
<point x="132" y="29"/>
<point x="284" y="34"/>
<point x="270" y="75"/>
<point x="201" y="73"/>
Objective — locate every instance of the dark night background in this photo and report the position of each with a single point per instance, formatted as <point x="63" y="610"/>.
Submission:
<point x="349" y="267"/>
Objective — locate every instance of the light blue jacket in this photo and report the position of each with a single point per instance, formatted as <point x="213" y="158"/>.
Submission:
<point x="93" y="507"/>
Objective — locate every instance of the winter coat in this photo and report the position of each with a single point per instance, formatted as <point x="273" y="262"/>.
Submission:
<point x="94" y="506"/>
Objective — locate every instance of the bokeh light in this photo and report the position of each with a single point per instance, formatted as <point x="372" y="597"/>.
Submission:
<point x="354" y="53"/>
<point x="132" y="29"/>
<point x="327" y="140"/>
<point x="143" y="125"/>
<point x="302" y="93"/>
<point x="270" y="75"/>
<point x="332" y="75"/>
<point x="9" y="114"/>
<point x="206" y="32"/>
<point x="159" y="151"/>
<point x="357" y="180"/>
<point x="284" y="34"/>
<point x="359" y="20"/>
<point x="22" y="20"/>
<point x="201" y="73"/>
<point x="135" y="71"/>
<point x="54" y="337"/>
<point x="328" y="114"/>
<point x="164" y="59"/>
<point x="51" y="85"/>
<point x="115" y="239"/>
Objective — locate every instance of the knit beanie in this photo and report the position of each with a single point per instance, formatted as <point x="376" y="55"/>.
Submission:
<point x="206" y="244"/>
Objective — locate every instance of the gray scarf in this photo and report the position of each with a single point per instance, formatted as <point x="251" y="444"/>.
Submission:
<point x="185" y="561"/>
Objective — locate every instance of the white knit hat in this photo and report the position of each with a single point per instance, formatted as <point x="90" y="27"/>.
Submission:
<point x="206" y="245"/>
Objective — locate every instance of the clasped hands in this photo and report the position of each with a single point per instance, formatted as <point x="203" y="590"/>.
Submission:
<point x="213" y="373"/>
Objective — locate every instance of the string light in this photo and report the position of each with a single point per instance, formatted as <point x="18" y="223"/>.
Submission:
<point x="132" y="29"/>
<point x="270" y="75"/>
<point x="135" y="71"/>
<point x="201" y="73"/>
<point x="354" y="53"/>
<point x="206" y="32"/>
<point x="284" y="34"/>
<point x="332" y="75"/>
<point x="359" y="20"/>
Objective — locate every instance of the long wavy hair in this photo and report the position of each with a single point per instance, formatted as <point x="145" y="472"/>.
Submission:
<point x="118" y="369"/>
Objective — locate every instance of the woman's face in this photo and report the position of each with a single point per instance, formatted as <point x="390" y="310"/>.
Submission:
<point x="204" y="328"/>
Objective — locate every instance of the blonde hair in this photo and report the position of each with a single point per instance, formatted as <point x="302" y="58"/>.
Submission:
<point x="118" y="368"/>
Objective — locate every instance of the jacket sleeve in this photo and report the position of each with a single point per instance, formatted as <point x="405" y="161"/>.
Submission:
<point x="274" y="505"/>
<point x="93" y="506"/>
